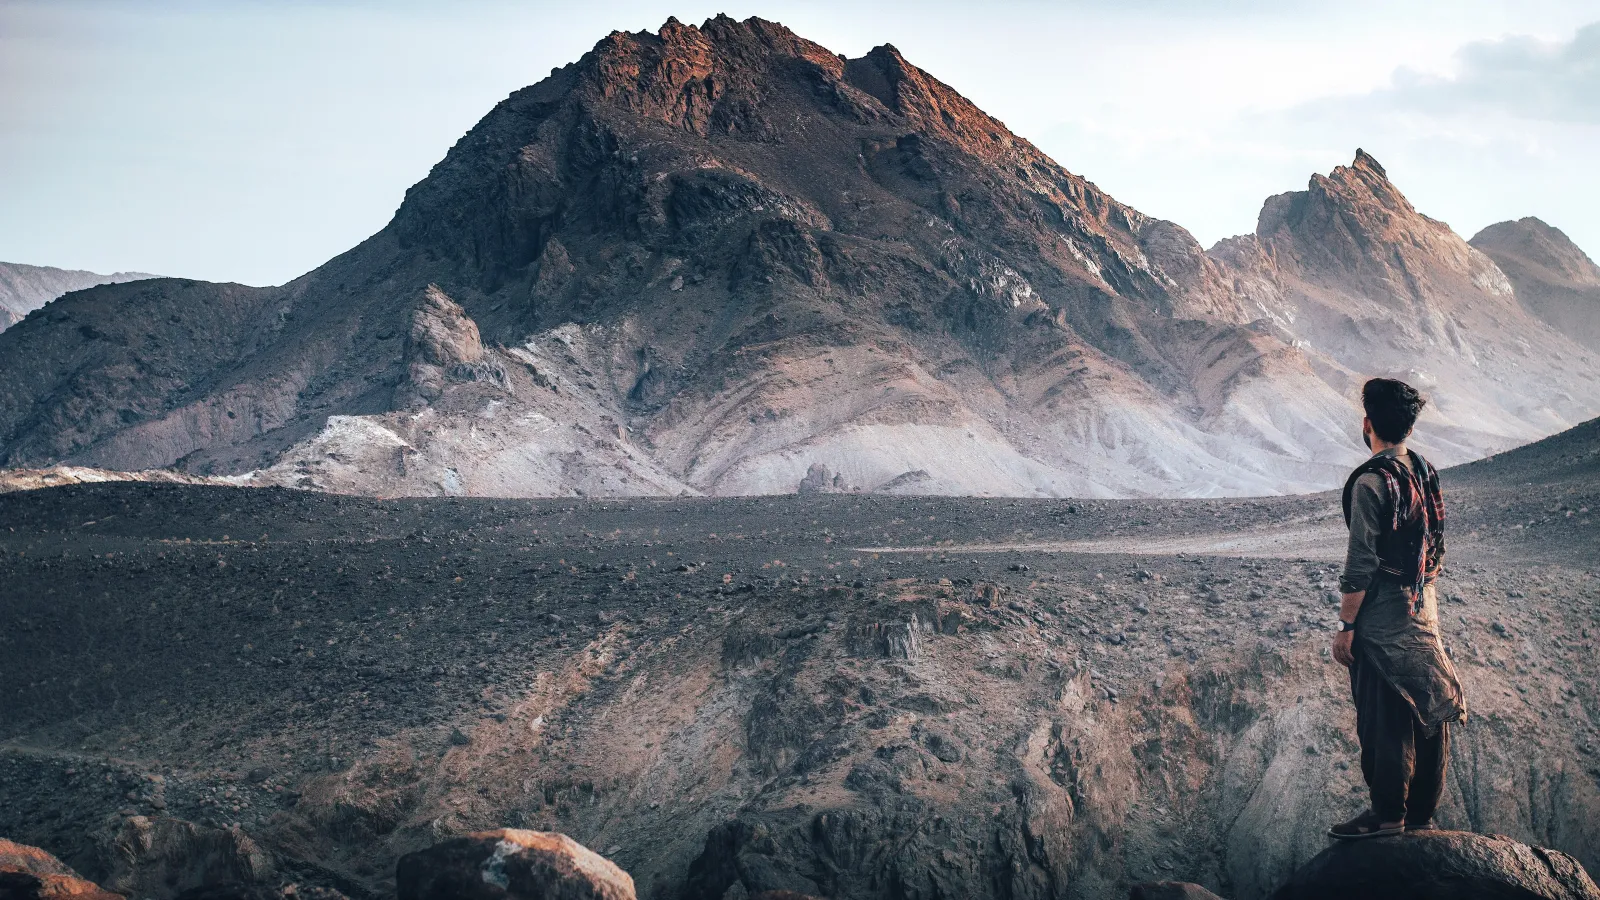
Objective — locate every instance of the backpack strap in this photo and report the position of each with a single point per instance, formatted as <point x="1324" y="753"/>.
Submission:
<point x="1371" y="465"/>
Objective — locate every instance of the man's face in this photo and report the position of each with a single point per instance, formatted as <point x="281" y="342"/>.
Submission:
<point x="1366" y="432"/>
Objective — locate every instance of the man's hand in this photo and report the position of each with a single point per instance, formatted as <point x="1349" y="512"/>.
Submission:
<point x="1341" y="648"/>
<point x="1349" y="608"/>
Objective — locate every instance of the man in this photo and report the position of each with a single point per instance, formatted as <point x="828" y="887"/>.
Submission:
<point x="1405" y="688"/>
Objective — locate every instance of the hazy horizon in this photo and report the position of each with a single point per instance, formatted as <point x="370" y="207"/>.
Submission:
<point x="252" y="141"/>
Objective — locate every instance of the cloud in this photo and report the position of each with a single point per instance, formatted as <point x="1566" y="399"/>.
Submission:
<point x="1520" y="77"/>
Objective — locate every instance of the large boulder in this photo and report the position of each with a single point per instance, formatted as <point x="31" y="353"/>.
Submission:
<point x="510" y="864"/>
<point x="1440" y="865"/>
<point x="28" y="873"/>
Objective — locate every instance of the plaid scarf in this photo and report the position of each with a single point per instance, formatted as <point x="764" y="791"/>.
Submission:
<point x="1415" y="502"/>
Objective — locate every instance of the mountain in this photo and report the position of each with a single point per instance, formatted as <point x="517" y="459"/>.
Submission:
<point x="24" y="289"/>
<point x="1351" y="269"/>
<point x="1555" y="280"/>
<point x="717" y="259"/>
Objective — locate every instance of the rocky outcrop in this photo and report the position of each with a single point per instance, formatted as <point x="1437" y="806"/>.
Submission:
<point x="1554" y="279"/>
<point x="819" y="480"/>
<point x="511" y="864"/>
<point x="24" y="289"/>
<point x="444" y="343"/>
<point x="1440" y="865"/>
<point x="161" y="857"/>
<point x="28" y="873"/>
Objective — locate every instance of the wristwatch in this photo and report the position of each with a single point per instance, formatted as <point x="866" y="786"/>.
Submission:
<point x="1345" y="626"/>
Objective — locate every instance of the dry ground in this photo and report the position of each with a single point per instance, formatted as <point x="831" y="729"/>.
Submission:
<point x="857" y="696"/>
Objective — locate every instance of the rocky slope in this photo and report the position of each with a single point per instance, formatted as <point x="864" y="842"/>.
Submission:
<point x="849" y="696"/>
<point x="1554" y="279"/>
<point x="24" y="289"/>
<point x="707" y="260"/>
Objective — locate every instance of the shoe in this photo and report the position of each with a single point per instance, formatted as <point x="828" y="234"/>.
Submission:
<point x="1424" y="826"/>
<point x="1366" y="825"/>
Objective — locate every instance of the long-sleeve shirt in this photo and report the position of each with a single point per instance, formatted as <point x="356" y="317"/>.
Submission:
<point x="1367" y="500"/>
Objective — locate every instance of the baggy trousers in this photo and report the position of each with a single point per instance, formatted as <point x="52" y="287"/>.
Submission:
<point x="1403" y="763"/>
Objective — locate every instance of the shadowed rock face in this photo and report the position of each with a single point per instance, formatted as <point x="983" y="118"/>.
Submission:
<point x="1555" y="280"/>
<point x="1440" y="865"/>
<point x="707" y="259"/>
<point x="161" y="857"/>
<point x="511" y="864"/>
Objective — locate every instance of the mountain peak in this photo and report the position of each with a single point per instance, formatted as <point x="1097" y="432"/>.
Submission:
<point x="1555" y="280"/>
<point x="1365" y="160"/>
<point x="1536" y="241"/>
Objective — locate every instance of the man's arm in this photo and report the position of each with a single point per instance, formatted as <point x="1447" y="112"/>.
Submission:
<point x="1361" y="558"/>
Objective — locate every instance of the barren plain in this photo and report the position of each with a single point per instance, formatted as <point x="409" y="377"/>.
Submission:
<point x="853" y="696"/>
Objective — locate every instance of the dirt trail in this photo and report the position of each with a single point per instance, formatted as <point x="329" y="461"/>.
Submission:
<point x="1303" y="542"/>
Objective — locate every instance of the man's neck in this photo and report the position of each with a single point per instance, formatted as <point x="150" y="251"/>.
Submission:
<point x="1379" y="446"/>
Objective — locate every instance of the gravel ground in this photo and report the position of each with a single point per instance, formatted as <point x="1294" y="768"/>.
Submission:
<point x="351" y="678"/>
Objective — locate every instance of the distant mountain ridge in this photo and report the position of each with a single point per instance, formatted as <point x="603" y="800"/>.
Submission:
<point x="25" y="288"/>
<point x="1554" y="279"/>
<point x="707" y="260"/>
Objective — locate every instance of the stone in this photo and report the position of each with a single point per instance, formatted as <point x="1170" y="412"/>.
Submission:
<point x="1440" y="865"/>
<point x="510" y="863"/>
<point x="29" y="873"/>
<point x="24" y="858"/>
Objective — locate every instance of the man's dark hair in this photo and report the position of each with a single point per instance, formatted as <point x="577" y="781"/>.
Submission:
<point x="1392" y="407"/>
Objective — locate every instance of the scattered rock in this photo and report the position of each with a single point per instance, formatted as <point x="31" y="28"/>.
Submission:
<point x="510" y="863"/>
<point x="1442" y="865"/>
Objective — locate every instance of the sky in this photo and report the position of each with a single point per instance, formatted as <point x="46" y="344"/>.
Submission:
<point x="251" y="141"/>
